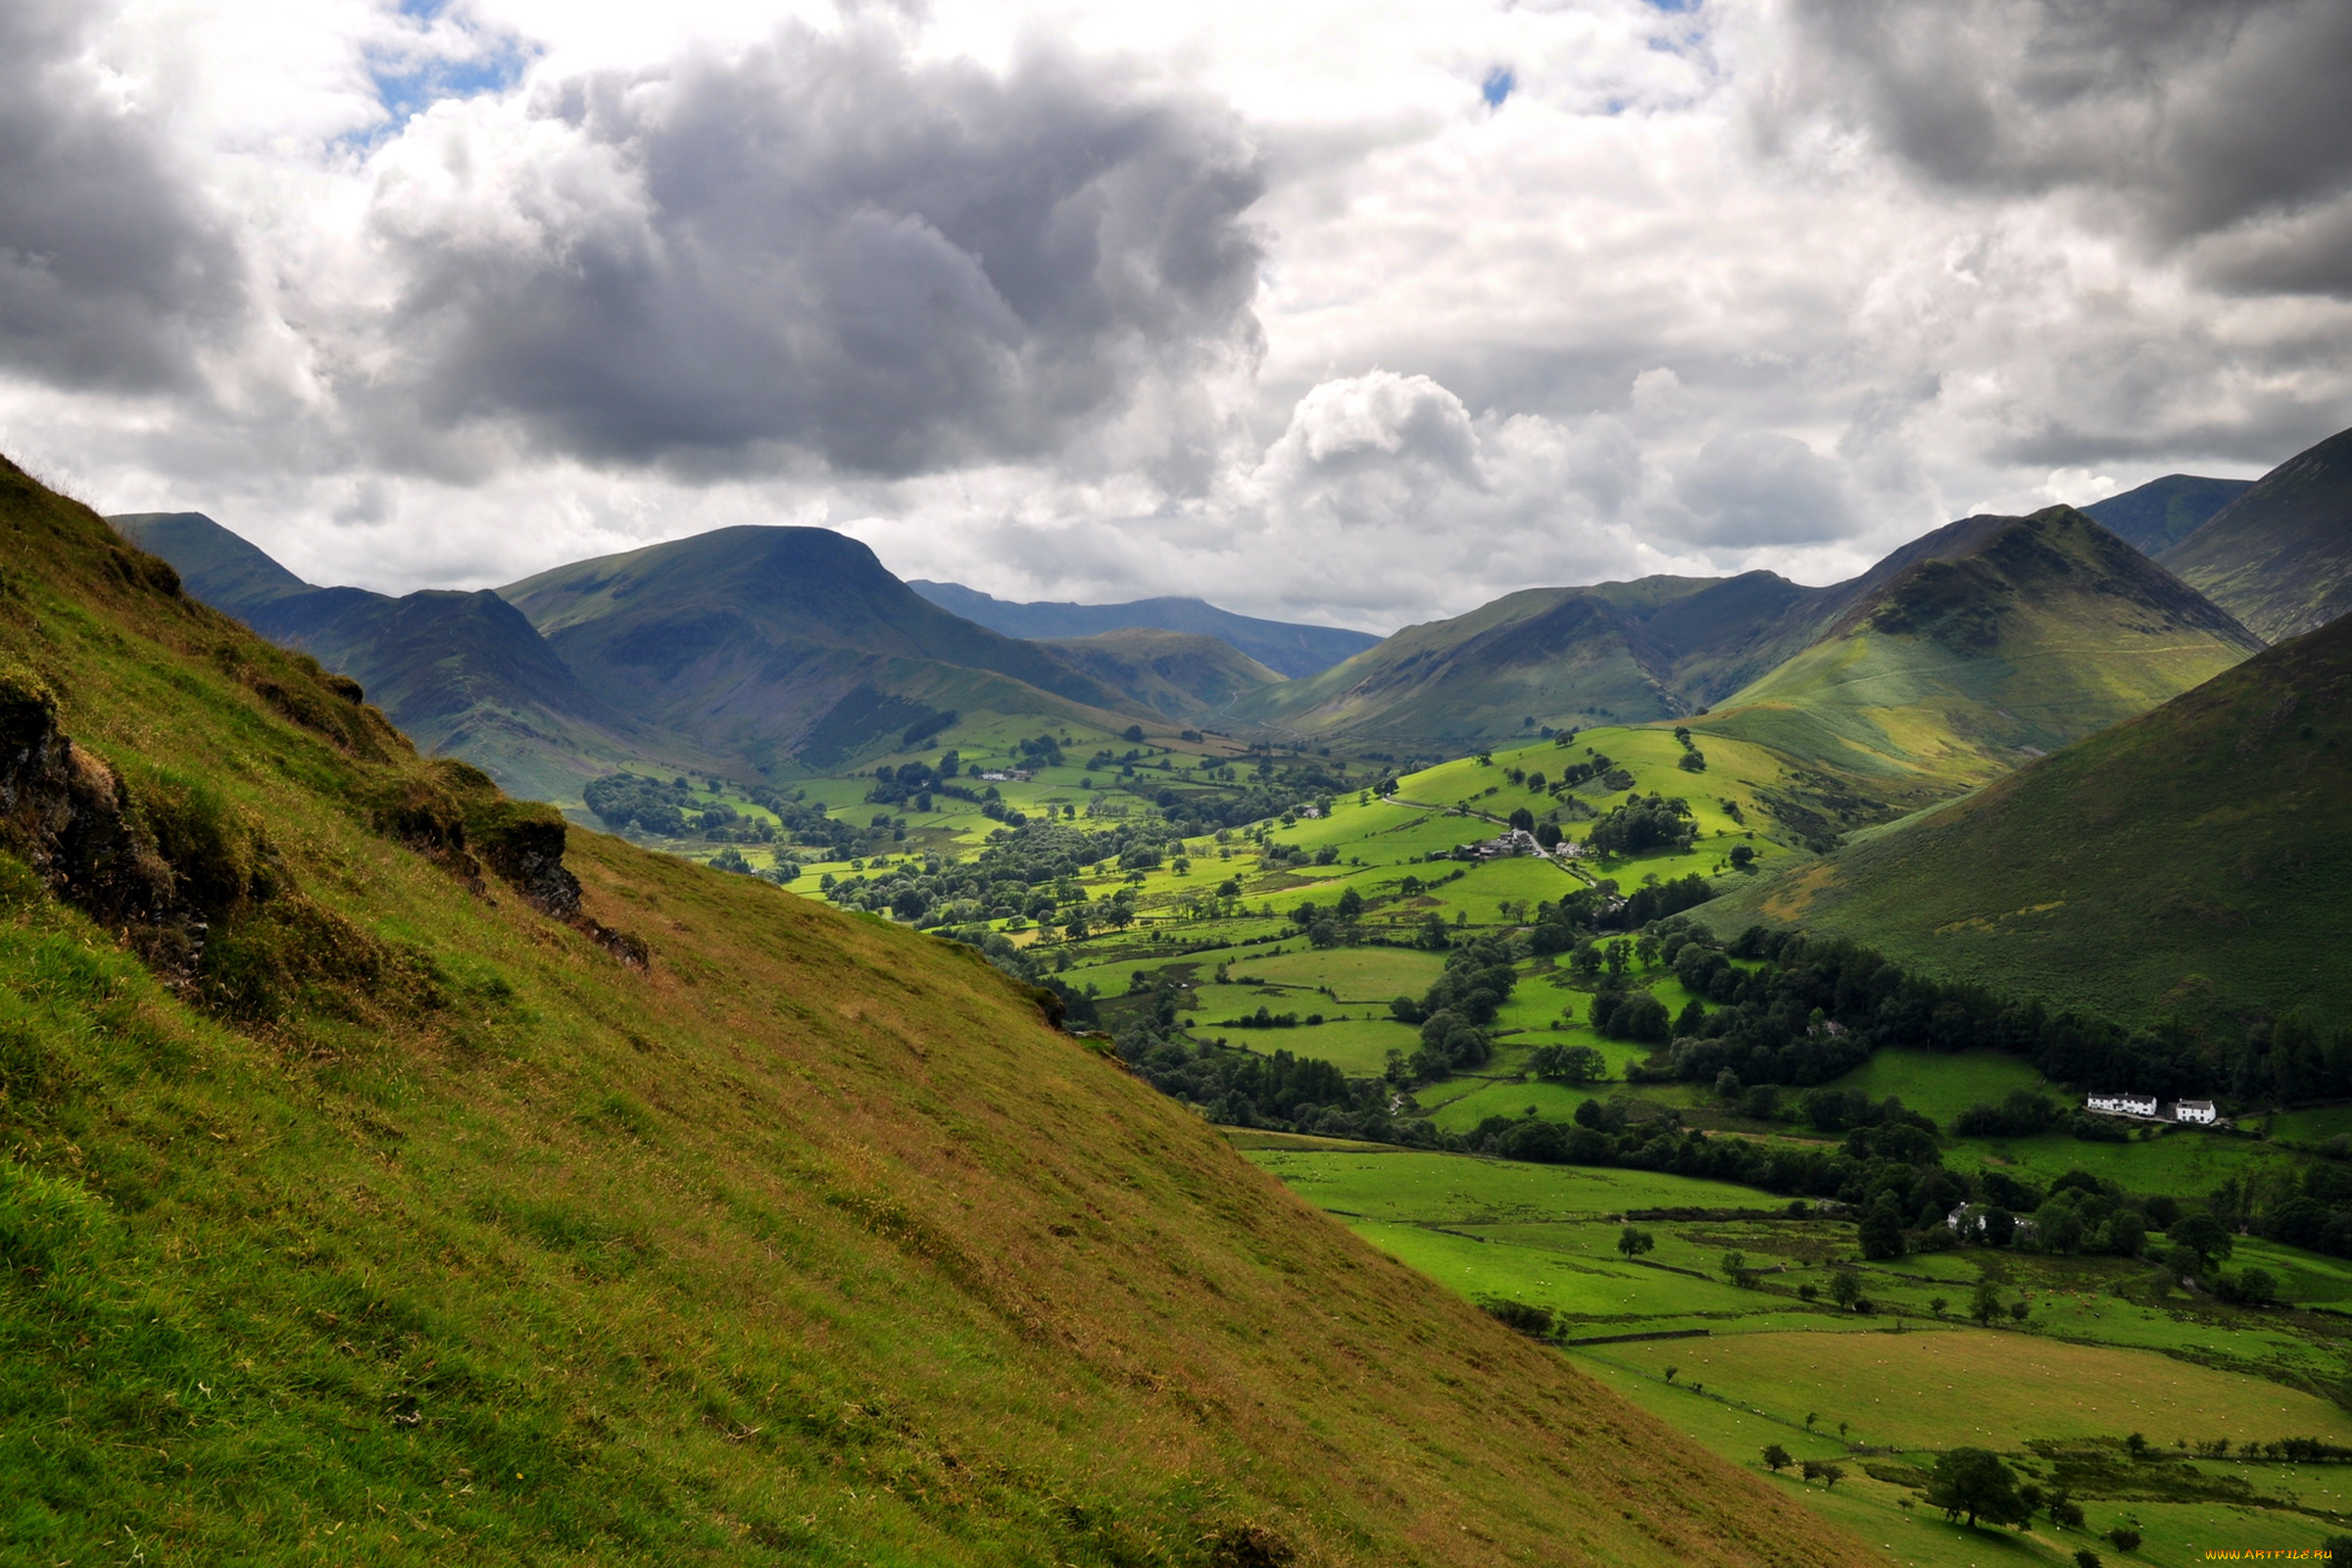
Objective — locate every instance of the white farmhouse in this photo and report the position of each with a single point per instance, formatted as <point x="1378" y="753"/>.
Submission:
<point x="2124" y="1104"/>
<point x="2200" y="1112"/>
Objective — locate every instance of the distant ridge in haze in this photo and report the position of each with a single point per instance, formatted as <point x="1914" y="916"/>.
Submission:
<point x="1181" y="674"/>
<point x="2162" y="513"/>
<point x="1284" y="647"/>
<point x="2279" y="557"/>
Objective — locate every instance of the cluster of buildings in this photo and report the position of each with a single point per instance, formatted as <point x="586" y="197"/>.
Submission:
<point x="2147" y="1107"/>
<point x="1504" y="845"/>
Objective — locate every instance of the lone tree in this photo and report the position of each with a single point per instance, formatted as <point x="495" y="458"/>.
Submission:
<point x="1734" y="1267"/>
<point x="2084" y="1557"/>
<point x="1845" y="1287"/>
<point x="2126" y="1537"/>
<point x="1633" y="1243"/>
<point x="1985" y="1304"/>
<point x="2202" y="1238"/>
<point x="1775" y="1458"/>
<point x="1973" y="1484"/>
<point x="1826" y="1471"/>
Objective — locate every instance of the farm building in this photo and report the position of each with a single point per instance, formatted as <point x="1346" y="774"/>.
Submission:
<point x="2123" y="1105"/>
<point x="2197" y="1111"/>
<point x="1518" y="841"/>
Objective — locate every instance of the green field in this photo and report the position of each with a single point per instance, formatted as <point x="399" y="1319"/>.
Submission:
<point x="2091" y="1364"/>
<point x="1943" y="1084"/>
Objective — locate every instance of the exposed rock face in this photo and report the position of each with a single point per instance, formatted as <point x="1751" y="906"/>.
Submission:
<point x="64" y="810"/>
<point x="202" y="896"/>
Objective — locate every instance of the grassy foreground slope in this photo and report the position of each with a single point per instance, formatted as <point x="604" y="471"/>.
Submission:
<point x="2196" y="858"/>
<point x="386" y="1217"/>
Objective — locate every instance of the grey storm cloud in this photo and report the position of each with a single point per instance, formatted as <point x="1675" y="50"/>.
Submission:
<point x="825" y="248"/>
<point x="111" y="271"/>
<point x="2220" y="121"/>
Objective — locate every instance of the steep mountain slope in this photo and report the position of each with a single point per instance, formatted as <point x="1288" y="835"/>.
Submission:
<point x="464" y="674"/>
<point x="2162" y="513"/>
<point x="785" y="645"/>
<point x="356" y="1205"/>
<point x="2279" y="557"/>
<point x="1988" y="643"/>
<point x="2195" y="859"/>
<point x="1177" y="673"/>
<point x="1284" y="647"/>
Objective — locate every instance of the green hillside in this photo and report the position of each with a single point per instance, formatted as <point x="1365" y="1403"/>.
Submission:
<point x="1541" y="656"/>
<point x="2159" y="514"/>
<point x="224" y="571"/>
<point x="374" y="1190"/>
<point x="1993" y="641"/>
<point x="2279" y="557"/>
<point x="1179" y="674"/>
<point x="2194" y="859"/>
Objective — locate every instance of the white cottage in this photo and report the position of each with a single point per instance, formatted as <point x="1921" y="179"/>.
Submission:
<point x="2200" y="1112"/>
<point x="2123" y="1105"/>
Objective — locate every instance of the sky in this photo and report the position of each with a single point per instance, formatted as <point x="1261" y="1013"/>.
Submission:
<point x="1362" y="313"/>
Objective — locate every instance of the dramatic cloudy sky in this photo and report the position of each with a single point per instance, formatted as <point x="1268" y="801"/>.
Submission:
<point x="1354" y="311"/>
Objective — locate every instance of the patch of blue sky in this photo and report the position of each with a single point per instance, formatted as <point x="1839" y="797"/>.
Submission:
<point x="409" y="87"/>
<point x="408" y="82"/>
<point x="1498" y="86"/>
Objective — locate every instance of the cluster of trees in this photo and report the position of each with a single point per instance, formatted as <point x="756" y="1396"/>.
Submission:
<point x="670" y="809"/>
<point x="1030" y="870"/>
<point x="1456" y="1012"/>
<point x="1894" y="1156"/>
<point x="1812" y="1008"/>
<point x="2311" y="1208"/>
<point x="2022" y="1113"/>
<point x="1329" y="927"/>
<point x="914" y="783"/>
<point x="1278" y="1091"/>
<point x="665" y="807"/>
<point x="1652" y="822"/>
<point x="1598" y="767"/>
<point x="1265" y="1018"/>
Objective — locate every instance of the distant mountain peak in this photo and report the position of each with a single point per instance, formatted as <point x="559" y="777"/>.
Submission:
<point x="2159" y="514"/>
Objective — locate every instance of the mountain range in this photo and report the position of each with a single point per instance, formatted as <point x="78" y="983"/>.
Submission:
<point x="1286" y="649"/>
<point x="781" y="652"/>
<point x="2020" y="633"/>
